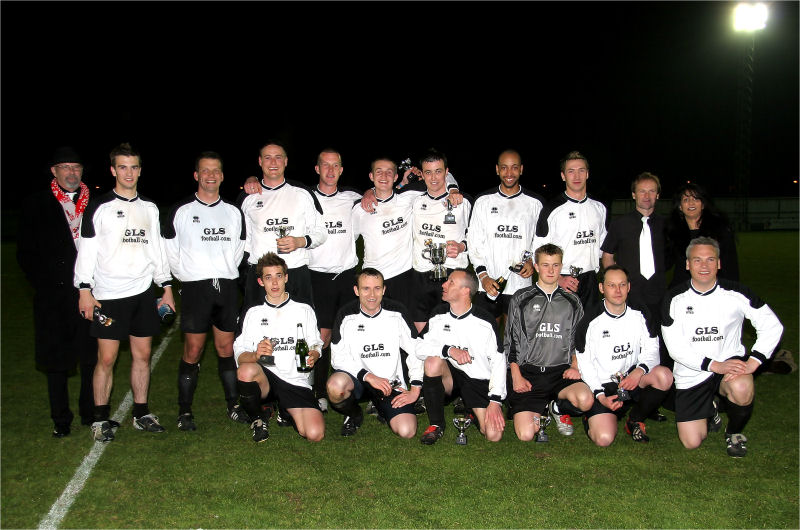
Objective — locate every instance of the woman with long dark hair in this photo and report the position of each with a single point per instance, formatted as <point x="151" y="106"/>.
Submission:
<point x="694" y="215"/>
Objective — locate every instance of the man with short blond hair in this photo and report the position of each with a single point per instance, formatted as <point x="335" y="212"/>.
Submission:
<point x="703" y="330"/>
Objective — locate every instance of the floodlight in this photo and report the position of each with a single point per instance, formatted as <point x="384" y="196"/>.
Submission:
<point x="750" y="17"/>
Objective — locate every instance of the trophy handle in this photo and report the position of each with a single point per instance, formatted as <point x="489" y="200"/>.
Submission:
<point x="428" y="250"/>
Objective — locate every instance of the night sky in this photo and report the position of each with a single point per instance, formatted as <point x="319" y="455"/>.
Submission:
<point x="636" y="87"/>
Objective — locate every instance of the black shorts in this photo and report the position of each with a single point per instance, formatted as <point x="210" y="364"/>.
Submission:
<point x="546" y="384"/>
<point x="426" y="294"/>
<point x="331" y="291"/>
<point x="474" y="392"/>
<point x="364" y="391"/>
<point x="209" y="302"/>
<point x="287" y="395"/>
<point x="133" y="315"/>
<point x="497" y="307"/>
<point x="697" y="402"/>
<point x="399" y="290"/>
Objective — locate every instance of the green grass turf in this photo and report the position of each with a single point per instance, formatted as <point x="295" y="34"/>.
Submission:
<point x="217" y="477"/>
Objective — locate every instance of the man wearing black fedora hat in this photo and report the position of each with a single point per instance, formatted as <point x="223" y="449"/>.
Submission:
<point x="46" y="251"/>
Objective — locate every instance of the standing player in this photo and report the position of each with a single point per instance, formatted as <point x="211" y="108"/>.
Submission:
<point x="283" y="204"/>
<point x="703" y="331"/>
<point x="46" y="250"/>
<point x="429" y="212"/>
<point x="367" y="338"/>
<point x="540" y="348"/>
<point x="463" y="355"/>
<point x="205" y="239"/>
<point x="501" y="228"/>
<point x="615" y="338"/>
<point x="278" y="319"/>
<point x="577" y="223"/>
<point x="120" y="255"/>
<point x="332" y="264"/>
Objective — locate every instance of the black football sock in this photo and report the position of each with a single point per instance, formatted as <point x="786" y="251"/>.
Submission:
<point x="102" y="412"/>
<point x="649" y="400"/>
<point x="738" y="416"/>
<point x="433" y="392"/>
<point x="140" y="409"/>
<point x="348" y="407"/>
<point x="187" y="383"/>
<point x="226" y="368"/>
<point x="564" y="406"/>
<point x="250" y="399"/>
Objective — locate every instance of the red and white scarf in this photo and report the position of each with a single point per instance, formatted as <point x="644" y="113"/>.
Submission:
<point x="73" y="210"/>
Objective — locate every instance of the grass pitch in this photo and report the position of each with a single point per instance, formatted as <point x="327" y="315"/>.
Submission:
<point x="217" y="477"/>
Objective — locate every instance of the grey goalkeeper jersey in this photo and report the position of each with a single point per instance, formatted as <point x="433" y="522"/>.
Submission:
<point x="540" y="329"/>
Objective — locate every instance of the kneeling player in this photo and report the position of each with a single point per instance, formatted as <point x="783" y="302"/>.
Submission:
<point x="278" y="320"/>
<point x="540" y="347"/>
<point x="614" y="338"/>
<point x="365" y="355"/>
<point x="463" y="356"/>
<point x="703" y="331"/>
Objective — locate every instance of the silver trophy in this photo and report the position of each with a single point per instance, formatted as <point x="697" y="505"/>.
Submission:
<point x="462" y="423"/>
<point x="437" y="254"/>
<point x="269" y="360"/>
<point x="101" y="318"/>
<point x="574" y="271"/>
<point x="541" y="436"/>
<point x="517" y="267"/>
<point x="449" y="218"/>
<point x="283" y="231"/>
<point x="622" y="394"/>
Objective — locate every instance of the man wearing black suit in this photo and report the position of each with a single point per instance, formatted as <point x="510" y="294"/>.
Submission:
<point x="46" y="251"/>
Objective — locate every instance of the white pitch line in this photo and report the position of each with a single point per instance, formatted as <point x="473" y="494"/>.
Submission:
<point x="60" y="508"/>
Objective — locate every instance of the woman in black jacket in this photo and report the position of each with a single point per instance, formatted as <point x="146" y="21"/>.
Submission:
<point x="695" y="215"/>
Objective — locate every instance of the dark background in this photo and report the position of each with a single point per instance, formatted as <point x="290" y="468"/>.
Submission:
<point x="634" y="86"/>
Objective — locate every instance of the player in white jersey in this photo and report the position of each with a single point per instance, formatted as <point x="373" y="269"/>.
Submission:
<point x="617" y="348"/>
<point x="577" y="223"/>
<point x="387" y="230"/>
<point x="463" y="356"/>
<point x="272" y="329"/>
<point x="281" y="204"/>
<point x="120" y="255"/>
<point x="204" y="238"/>
<point x="501" y="228"/>
<point x="434" y="219"/>
<point x="368" y="336"/>
<point x="702" y="327"/>
<point x="333" y="264"/>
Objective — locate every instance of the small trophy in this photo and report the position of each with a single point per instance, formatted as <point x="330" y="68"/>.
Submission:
<point x="574" y="271"/>
<point x="622" y="394"/>
<point x="101" y="318"/>
<point x="462" y="423"/>
<point x="541" y="436"/>
<point x="283" y="231"/>
<point x="526" y="255"/>
<point x="449" y="218"/>
<point x="268" y="360"/>
<point x="437" y="254"/>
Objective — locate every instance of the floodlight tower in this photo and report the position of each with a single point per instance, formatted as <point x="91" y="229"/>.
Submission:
<point x="748" y="18"/>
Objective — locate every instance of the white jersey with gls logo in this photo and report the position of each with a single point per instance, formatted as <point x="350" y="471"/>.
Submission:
<point x="338" y="253"/>
<point x="428" y="224"/>
<point x="291" y="205"/>
<point x="501" y="228"/>
<point x="387" y="233"/>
